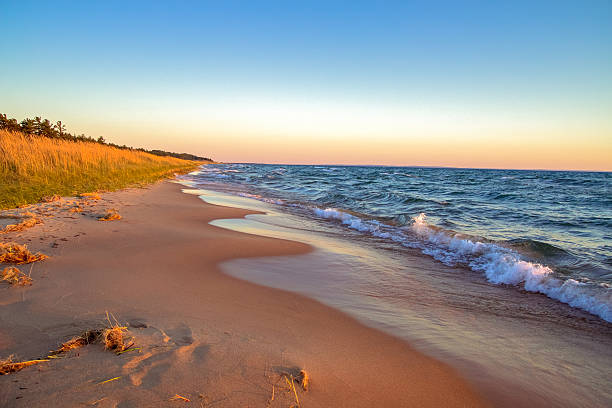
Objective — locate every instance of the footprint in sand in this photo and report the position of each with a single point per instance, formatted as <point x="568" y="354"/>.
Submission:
<point x="167" y="348"/>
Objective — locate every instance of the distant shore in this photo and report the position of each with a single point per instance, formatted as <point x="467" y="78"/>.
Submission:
<point x="202" y="335"/>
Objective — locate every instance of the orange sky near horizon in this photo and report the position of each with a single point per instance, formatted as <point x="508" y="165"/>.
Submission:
<point x="364" y="136"/>
<point x="518" y="152"/>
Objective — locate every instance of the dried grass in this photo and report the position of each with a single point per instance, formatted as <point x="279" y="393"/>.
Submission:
<point x="303" y="379"/>
<point x="27" y="223"/>
<point x="292" y="387"/>
<point x="109" y="380"/>
<point x="91" y="196"/>
<point x="76" y="209"/>
<point x="113" y="338"/>
<point x="18" y="254"/>
<point x="14" y="276"/>
<point x="88" y="337"/>
<point x="179" y="398"/>
<point x="34" y="167"/>
<point x="7" y="365"/>
<point x="111" y="215"/>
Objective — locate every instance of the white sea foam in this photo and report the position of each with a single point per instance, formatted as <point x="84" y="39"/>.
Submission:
<point x="499" y="264"/>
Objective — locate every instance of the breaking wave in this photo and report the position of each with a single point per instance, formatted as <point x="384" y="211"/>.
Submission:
<point x="499" y="264"/>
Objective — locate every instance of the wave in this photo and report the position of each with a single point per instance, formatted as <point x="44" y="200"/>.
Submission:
<point x="499" y="264"/>
<point x="501" y="202"/>
<point x="260" y="198"/>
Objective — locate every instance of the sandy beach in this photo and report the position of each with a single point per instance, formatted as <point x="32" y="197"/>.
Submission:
<point x="212" y="339"/>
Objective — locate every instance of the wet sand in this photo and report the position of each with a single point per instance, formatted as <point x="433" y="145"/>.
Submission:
<point x="211" y="338"/>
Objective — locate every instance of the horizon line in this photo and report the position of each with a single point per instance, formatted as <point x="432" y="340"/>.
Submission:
<point x="419" y="166"/>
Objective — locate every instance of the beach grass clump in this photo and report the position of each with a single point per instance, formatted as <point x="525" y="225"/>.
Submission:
<point x="13" y="276"/>
<point x="33" y="168"/>
<point x="18" y="254"/>
<point x="25" y="224"/>
<point x="87" y="337"/>
<point x="113" y="338"/>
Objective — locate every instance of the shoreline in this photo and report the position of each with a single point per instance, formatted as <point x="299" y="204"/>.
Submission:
<point x="480" y="329"/>
<point x="204" y="335"/>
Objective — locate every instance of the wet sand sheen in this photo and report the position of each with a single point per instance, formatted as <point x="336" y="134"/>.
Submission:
<point x="204" y="335"/>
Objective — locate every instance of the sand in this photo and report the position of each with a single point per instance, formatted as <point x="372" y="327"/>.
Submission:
<point x="202" y="335"/>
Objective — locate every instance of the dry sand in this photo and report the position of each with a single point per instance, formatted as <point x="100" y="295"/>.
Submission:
<point x="213" y="339"/>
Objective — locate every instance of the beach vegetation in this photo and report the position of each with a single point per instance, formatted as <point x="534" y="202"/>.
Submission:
<point x="111" y="215"/>
<point x="8" y="366"/>
<point x="34" y="167"/>
<point x="113" y="337"/>
<point x="18" y="254"/>
<point x="13" y="276"/>
<point x="20" y="226"/>
<point x="45" y="128"/>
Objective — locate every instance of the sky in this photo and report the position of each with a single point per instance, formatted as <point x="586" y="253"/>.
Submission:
<point x="460" y="83"/>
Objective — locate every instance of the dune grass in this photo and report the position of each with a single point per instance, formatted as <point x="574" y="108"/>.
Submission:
<point x="35" y="167"/>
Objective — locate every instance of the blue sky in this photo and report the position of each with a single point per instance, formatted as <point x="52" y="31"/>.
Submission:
<point x="225" y="71"/>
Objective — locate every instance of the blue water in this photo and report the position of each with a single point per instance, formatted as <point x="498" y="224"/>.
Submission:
<point x="542" y="231"/>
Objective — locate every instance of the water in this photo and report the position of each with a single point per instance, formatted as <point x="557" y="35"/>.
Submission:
<point x="540" y="231"/>
<point x="510" y="291"/>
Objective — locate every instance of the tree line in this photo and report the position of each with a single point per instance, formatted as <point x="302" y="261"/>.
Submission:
<point x="46" y="128"/>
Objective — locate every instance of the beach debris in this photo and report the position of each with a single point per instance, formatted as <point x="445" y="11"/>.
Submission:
<point x="88" y="337"/>
<point x="129" y="349"/>
<point x="76" y="209"/>
<point x="8" y="366"/>
<point x="109" y="380"/>
<point x="27" y="223"/>
<point x="303" y="379"/>
<point x="111" y="215"/>
<point x="292" y="387"/>
<point x="289" y="379"/>
<point x="179" y="398"/>
<point x="113" y="338"/>
<point x="91" y="196"/>
<point x="51" y="198"/>
<point x="18" y="254"/>
<point x="271" y="399"/>
<point x="14" y="276"/>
